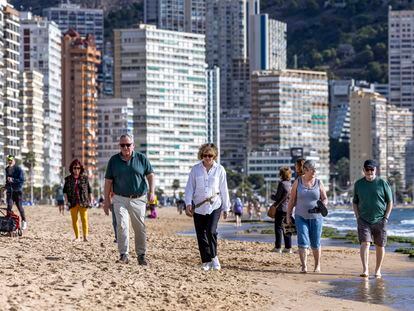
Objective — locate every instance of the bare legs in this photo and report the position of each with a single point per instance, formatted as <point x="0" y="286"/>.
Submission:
<point x="317" y="258"/>
<point x="380" y="253"/>
<point x="364" y="253"/>
<point x="303" y="255"/>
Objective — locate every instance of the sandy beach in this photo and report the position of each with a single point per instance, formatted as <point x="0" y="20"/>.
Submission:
<point x="45" y="270"/>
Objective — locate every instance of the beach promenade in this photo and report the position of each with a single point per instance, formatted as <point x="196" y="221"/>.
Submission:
<point x="45" y="270"/>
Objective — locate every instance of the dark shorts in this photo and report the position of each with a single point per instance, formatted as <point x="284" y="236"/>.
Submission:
<point x="376" y="233"/>
<point x="237" y="214"/>
<point x="60" y="202"/>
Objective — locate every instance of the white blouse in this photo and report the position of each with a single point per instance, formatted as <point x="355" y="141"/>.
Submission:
<point x="202" y="185"/>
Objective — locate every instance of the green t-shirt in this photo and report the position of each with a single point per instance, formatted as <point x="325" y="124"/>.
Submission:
<point x="372" y="198"/>
<point x="128" y="178"/>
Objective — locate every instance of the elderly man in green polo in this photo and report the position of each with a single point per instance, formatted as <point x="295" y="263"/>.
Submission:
<point x="125" y="177"/>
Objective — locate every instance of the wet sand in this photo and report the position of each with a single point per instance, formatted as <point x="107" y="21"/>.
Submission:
<point x="45" y="270"/>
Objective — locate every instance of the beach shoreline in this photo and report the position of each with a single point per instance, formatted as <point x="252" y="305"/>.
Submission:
<point x="45" y="270"/>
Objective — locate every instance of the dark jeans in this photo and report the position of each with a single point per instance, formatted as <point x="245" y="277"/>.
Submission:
<point x="280" y="215"/>
<point x="206" y="230"/>
<point x="15" y="197"/>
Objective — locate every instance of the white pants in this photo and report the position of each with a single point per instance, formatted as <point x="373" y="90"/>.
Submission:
<point x="124" y="208"/>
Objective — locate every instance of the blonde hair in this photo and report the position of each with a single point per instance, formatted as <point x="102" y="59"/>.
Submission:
<point x="206" y="147"/>
<point x="299" y="166"/>
<point x="285" y="173"/>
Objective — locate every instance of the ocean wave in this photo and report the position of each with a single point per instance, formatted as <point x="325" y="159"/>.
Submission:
<point x="407" y="222"/>
<point x="336" y="219"/>
<point x="340" y="228"/>
<point x="406" y="233"/>
<point x="341" y="211"/>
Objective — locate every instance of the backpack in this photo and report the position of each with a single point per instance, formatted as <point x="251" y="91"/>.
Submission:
<point x="238" y="207"/>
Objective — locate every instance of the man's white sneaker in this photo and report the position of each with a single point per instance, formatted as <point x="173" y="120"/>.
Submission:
<point x="24" y="225"/>
<point x="276" y="250"/>
<point x="215" y="264"/>
<point x="288" y="251"/>
<point x="206" y="266"/>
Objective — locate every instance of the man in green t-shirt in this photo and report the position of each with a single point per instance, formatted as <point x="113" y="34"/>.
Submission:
<point x="125" y="177"/>
<point x="372" y="205"/>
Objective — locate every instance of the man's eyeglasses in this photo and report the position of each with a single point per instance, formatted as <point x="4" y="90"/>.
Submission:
<point x="125" y="145"/>
<point x="208" y="155"/>
<point x="369" y="169"/>
<point x="76" y="168"/>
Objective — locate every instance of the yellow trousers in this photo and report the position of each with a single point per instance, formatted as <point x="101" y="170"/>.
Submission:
<point x="83" y="211"/>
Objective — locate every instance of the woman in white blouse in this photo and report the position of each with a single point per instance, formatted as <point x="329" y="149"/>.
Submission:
<point x="206" y="196"/>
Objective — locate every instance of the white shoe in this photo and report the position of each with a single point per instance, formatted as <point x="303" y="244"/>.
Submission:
<point x="24" y="225"/>
<point x="276" y="250"/>
<point x="215" y="264"/>
<point x="206" y="266"/>
<point x="288" y="250"/>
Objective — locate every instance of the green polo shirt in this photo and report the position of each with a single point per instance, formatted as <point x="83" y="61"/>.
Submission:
<point x="128" y="177"/>
<point x="372" y="198"/>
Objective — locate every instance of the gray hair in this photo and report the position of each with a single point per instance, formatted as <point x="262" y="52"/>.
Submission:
<point x="126" y="135"/>
<point x="309" y="164"/>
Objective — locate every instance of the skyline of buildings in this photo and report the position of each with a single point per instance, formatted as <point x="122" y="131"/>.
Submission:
<point x="239" y="42"/>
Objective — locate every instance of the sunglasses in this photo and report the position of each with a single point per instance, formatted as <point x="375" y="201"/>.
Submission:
<point x="76" y="168"/>
<point x="208" y="155"/>
<point x="369" y="169"/>
<point x="125" y="145"/>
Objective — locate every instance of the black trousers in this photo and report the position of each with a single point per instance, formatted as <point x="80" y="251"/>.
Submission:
<point x="206" y="230"/>
<point x="280" y="215"/>
<point x="15" y="197"/>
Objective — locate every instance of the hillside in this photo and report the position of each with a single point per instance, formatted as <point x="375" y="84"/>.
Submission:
<point x="348" y="38"/>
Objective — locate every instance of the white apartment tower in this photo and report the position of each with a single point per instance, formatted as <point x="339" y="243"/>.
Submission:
<point x="32" y="137"/>
<point x="41" y="51"/>
<point x="164" y="72"/>
<point x="11" y="56"/>
<point x="115" y="117"/>
<point x="401" y="58"/>
<point x="3" y="3"/>
<point x="399" y="133"/>
<point x="290" y="109"/>
<point x="368" y="132"/>
<point x="85" y="21"/>
<point x="213" y="106"/>
<point x="176" y="15"/>
<point x="267" y="43"/>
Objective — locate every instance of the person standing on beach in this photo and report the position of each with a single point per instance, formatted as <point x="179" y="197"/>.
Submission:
<point x="207" y="189"/>
<point x="281" y="198"/>
<point x="60" y="199"/>
<point x="372" y="205"/>
<point x="306" y="191"/>
<point x="125" y="177"/>
<point x="14" y="188"/>
<point x="78" y="194"/>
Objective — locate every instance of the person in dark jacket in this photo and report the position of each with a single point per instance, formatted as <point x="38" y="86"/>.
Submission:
<point x="78" y="194"/>
<point x="281" y="198"/>
<point x="14" y="188"/>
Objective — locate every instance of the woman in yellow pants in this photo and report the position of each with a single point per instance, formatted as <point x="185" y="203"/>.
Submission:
<point x="78" y="195"/>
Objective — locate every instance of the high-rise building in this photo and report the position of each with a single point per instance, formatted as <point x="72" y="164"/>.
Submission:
<point x="83" y="20"/>
<point x="267" y="43"/>
<point x="290" y="109"/>
<point x="80" y="59"/>
<point x="399" y="133"/>
<point x="10" y="25"/>
<point x="400" y="58"/>
<point x="115" y="117"/>
<point x="41" y="51"/>
<point x="177" y="15"/>
<point x="3" y="3"/>
<point x="213" y="106"/>
<point x="164" y="72"/>
<point x="32" y="137"/>
<point x="368" y="132"/>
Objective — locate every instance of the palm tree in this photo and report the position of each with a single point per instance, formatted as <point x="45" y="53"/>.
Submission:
<point x="29" y="160"/>
<point x="175" y="185"/>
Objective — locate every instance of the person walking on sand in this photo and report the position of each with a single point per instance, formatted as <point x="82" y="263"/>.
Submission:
<point x="60" y="199"/>
<point x="125" y="176"/>
<point x="207" y="189"/>
<point x="238" y="211"/>
<point x="78" y="194"/>
<point x="281" y="198"/>
<point x="306" y="191"/>
<point x="14" y="188"/>
<point x="372" y="205"/>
